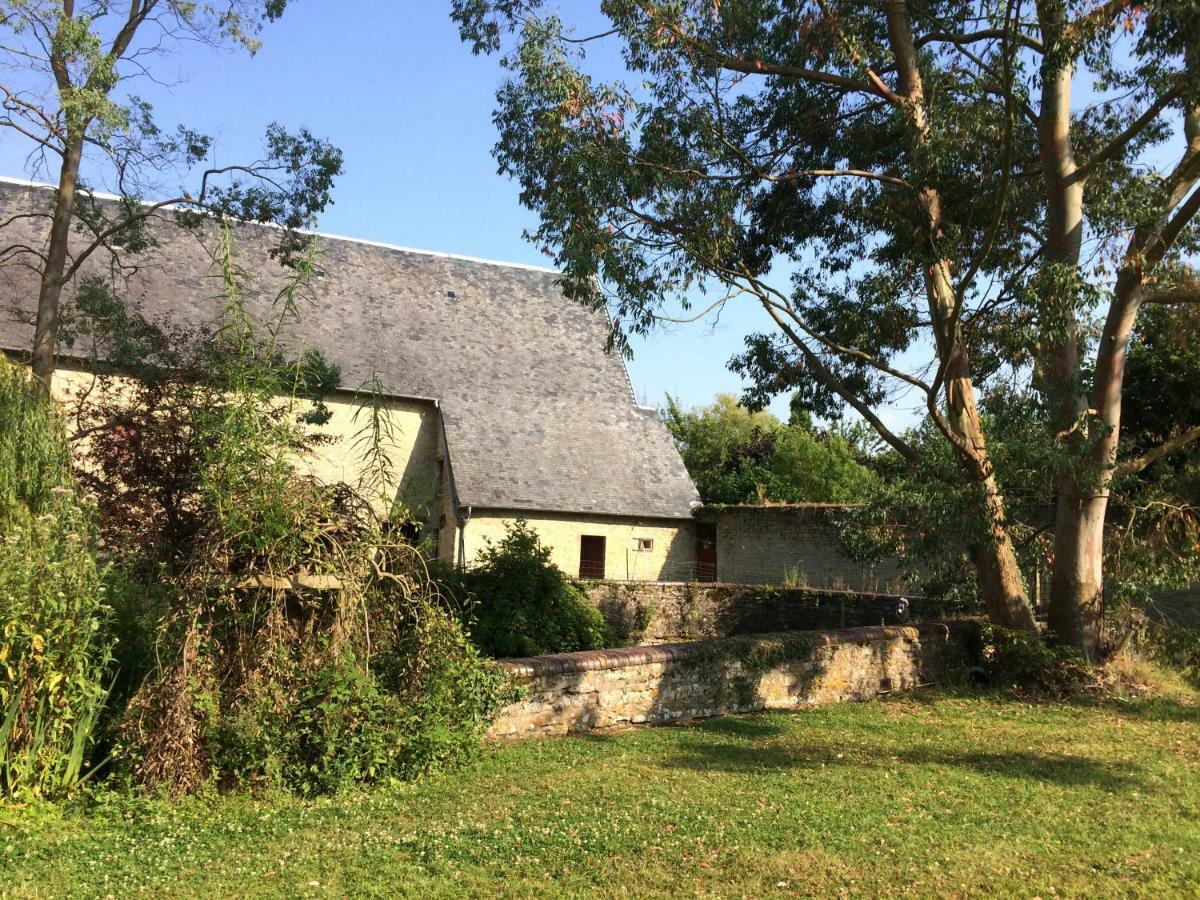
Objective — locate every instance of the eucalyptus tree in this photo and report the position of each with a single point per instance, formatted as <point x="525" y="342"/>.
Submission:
<point x="927" y="197"/>
<point x="66" y="72"/>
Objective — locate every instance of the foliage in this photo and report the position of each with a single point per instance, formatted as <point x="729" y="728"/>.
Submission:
<point x="738" y="456"/>
<point x="1019" y="660"/>
<point x="136" y="422"/>
<point x="53" y="655"/>
<point x="1175" y="646"/>
<point x="1155" y="519"/>
<point x="303" y="645"/>
<point x="923" y="517"/>
<point x="913" y="195"/>
<point x="1096" y="799"/>
<point x="522" y="604"/>
<point x="70" y="71"/>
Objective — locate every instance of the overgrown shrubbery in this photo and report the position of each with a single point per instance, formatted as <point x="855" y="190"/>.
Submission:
<point x="1026" y="662"/>
<point x="298" y="641"/>
<point x="53" y="656"/>
<point x="1177" y="647"/>
<point x="523" y="604"/>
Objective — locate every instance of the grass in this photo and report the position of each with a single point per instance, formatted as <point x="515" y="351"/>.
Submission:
<point x="938" y="794"/>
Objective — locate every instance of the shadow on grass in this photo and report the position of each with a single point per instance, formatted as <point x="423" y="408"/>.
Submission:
<point x="704" y="755"/>
<point x="1151" y="709"/>
<point x="751" y="725"/>
<point x="1146" y="709"/>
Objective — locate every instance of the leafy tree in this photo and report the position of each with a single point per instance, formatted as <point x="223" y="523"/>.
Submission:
<point x="1157" y="512"/>
<point x="68" y="66"/>
<point x="1163" y="396"/>
<point x="735" y="455"/>
<point x="955" y="215"/>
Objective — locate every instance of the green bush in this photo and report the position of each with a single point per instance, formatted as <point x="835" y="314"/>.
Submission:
<point x="304" y="645"/>
<point x="1176" y="647"/>
<point x="53" y="656"/>
<point x="523" y="605"/>
<point x="1027" y="662"/>
<point x="334" y="723"/>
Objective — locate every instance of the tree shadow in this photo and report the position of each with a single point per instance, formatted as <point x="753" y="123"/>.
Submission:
<point x="1145" y="709"/>
<point x="748" y="725"/>
<point x="704" y="755"/>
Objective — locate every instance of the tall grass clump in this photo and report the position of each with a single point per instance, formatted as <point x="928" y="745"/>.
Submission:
<point x="53" y="657"/>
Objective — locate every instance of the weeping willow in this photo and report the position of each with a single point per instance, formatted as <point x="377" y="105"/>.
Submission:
<point x="53" y="655"/>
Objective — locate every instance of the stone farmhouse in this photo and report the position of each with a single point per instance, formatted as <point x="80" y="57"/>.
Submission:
<point x="502" y="397"/>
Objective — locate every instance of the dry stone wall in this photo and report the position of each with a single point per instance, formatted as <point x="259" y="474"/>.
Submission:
<point x="665" y="612"/>
<point x="578" y="692"/>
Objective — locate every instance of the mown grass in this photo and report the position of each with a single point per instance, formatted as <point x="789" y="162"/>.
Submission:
<point x="937" y="794"/>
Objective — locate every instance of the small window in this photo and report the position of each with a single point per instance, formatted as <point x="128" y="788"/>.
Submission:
<point x="591" y="556"/>
<point x="645" y="545"/>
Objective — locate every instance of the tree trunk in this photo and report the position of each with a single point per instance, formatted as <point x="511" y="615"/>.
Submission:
<point x="995" y="558"/>
<point x="45" y="337"/>
<point x="1000" y="582"/>
<point x="1077" y="580"/>
<point x="1077" y="577"/>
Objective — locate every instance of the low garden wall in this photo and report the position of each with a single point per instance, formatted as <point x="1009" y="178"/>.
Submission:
<point x="647" y="612"/>
<point x="596" y="689"/>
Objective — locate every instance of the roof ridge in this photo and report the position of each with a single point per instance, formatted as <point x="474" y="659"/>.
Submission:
<point x="103" y="195"/>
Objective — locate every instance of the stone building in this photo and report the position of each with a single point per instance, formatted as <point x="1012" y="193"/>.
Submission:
<point x="502" y="397"/>
<point x="787" y="543"/>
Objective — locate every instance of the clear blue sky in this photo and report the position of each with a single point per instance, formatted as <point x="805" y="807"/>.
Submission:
<point x="393" y="87"/>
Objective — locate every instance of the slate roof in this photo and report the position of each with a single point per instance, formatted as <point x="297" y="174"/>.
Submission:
<point x="537" y="415"/>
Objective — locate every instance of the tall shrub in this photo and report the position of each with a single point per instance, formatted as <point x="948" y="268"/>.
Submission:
<point x="523" y="604"/>
<point x="306" y="646"/>
<point x="52" y="654"/>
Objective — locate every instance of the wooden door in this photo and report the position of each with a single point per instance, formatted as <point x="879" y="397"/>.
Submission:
<point x="591" y="556"/>
<point x="706" y="552"/>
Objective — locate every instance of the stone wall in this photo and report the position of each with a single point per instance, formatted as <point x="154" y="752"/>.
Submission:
<point x="577" y="692"/>
<point x="663" y="612"/>
<point x="791" y="544"/>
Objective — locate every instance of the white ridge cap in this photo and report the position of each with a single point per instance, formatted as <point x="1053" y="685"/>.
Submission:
<point x="23" y="182"/>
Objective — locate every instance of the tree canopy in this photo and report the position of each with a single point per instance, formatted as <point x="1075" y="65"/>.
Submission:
<point x="945" y="201"/>
<point x="68" y="84"/>
<point x="735" y="455"/>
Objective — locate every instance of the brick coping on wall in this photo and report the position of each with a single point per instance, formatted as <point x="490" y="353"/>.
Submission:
<point x="597" y="660"/>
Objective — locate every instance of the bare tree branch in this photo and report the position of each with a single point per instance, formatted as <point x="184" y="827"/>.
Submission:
<point x="1118" y="143"/>
<point x="1181" y="440"/>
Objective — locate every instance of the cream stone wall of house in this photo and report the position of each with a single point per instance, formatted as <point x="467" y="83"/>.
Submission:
<point x="634" y="549"/>
<point x="795" y="544"/>
<point x="669" y="554"/>
<point x="410" y="440"/>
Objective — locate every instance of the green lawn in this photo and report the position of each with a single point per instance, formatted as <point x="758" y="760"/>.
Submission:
<point x="937" y="794"/>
